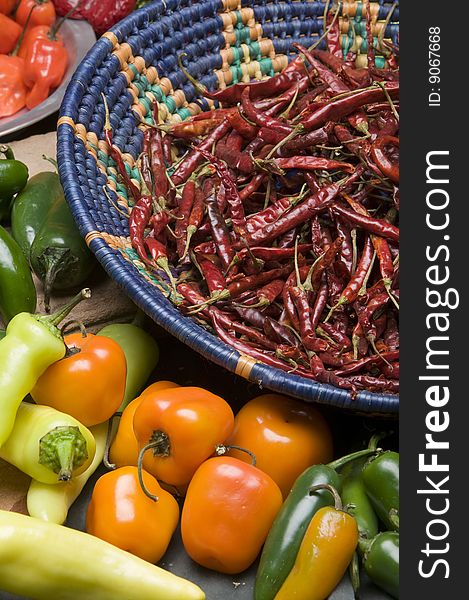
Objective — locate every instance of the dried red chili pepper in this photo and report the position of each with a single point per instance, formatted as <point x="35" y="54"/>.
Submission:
<point x="387" y="163"/>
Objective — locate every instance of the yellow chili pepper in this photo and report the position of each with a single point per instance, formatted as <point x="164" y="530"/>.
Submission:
<point x="48" y="445"/>
<point x="51" y="502"/>
<point x="325" y="552"/>
<point x="42" y="560"/>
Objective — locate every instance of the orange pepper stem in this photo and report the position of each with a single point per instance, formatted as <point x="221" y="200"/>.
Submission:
<point x="221" y="449"/>
<point x="80" y="324"/>
<point x="326" y="486"/>
<point x="109" y="439"/>
<point x="160" y="444"/>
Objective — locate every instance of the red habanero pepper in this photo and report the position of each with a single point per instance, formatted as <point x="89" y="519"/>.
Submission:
<point x="12" y="88"/>
<point x="190" y="163"/>
<point x="336" y="109"/>
<point x="11" y="32"/>
<point x="45" y="63"/>
<point x="370" y="224"/>
<point x="43" y="13"/>
<point x="260" y="118"/>
<point x="387" y="162"/>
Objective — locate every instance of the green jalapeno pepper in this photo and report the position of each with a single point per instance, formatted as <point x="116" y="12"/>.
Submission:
<point x="354" y="496"/>
<point x="381" y="479"/>
<point x="287" y="531"/>
<point x="31" y="206"/>
<point x="32" y="343"/>
<point x="13" y="178"/>
<point x="43" y="223"/>
<point x="381" y="561"/>
<point x="17" y="291"/>
<point x="141" y="352"/>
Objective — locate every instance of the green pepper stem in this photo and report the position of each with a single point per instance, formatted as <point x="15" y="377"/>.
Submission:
<point x="62" y="450"/>
<point x="221" y="449"/>
<point x="364" y="545"/>
<point x="332" y="490"/>
<point x="7" y="151"/>
<point x="340" y="462"/>
<point x="55" y="318"/>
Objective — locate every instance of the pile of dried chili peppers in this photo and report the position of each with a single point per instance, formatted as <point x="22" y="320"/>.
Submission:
<point x="273" y="219"/>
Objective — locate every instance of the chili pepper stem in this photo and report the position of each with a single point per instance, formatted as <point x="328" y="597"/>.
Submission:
<point x="354" y="572"/>
<point x="160" y="444"/>
<point x="341" y="462"/>
<point x="332" y="490"/>
<point x="201" y="89"/>
<point x="55" y="318"/>
<point x="109" y="439"/>
<point x="221" y="449"/>
<point x="387" y="287"/>
<point x="62" y="450"/>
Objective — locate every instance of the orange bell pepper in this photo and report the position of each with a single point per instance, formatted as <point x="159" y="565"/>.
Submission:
<point x="43" y="13"/>
<point x="285" y="435"/>
<point x="89" y="384"/>
<point x="228" y="511"/>
<point x="6" y="6"/>
<point x="45" y="63"/>
<point x="182" y="426"/>
<point x="11" y="32"/>
<point x="124" y="448"/>
<point x="121" y="514"/>
<point x="12" y="87"/>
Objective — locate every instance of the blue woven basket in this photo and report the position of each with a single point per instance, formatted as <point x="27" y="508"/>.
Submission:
<point x="135" y="63"/>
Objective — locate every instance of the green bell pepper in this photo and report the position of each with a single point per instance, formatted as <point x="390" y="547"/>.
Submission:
<point x="32" y="343"/>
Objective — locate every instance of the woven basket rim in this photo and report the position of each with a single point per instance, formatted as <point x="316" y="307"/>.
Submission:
<point x="154" y="304"/>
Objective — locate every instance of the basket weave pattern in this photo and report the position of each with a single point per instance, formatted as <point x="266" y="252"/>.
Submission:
<point x="135" y="64"/>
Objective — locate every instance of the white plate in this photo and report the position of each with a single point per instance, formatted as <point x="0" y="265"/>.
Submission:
<point x="78" y="38"/>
